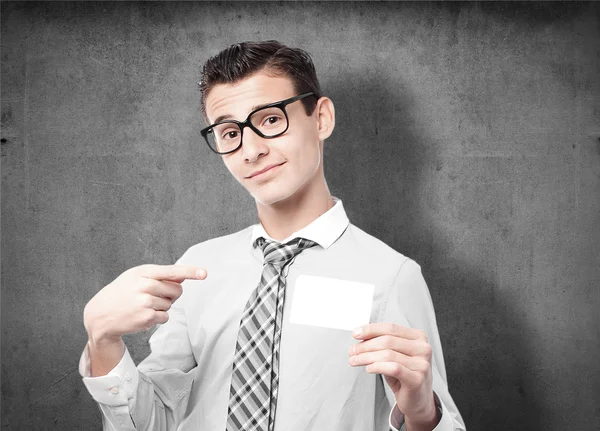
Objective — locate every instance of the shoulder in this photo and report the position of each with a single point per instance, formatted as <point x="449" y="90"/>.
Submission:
<point x="372" y="248"/>
<point x="215" y="247"/>
<point x="405" y="290"/>
<point x="365" y="254"/>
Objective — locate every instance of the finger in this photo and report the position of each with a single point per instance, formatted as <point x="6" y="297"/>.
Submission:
<point x="161" y="317"/>
<point x="398" y="371"/>
<point x="378" y="356"/>
<point x="412" y="363"/>
<point x="176" y="273"/>
<point x="377" y="329"/>
<point x="390" y="342"/>
<point x="164" y="289"/>
<point x="157" y="303"/>
<point x="154" y="317"/>
<point x="172" y="290"/>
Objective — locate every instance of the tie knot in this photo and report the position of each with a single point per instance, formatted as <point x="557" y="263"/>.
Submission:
<point x="279" y="254"/>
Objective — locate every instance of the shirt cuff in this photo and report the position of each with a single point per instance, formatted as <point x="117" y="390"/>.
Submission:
<point x="115" y="388"/>
<point x="445" y="424"/>
<point x="397" y="419"/>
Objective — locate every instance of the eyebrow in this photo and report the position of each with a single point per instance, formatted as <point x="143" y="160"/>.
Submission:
<point x="229" y="116"/>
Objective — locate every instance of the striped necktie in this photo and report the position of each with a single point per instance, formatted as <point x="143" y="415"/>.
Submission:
<point x="255" y="378"/>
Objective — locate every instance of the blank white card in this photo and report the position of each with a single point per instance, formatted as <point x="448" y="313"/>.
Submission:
<point x="331" y="302"/>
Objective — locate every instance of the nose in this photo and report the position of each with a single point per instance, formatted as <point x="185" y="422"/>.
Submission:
<point x="253" y="145"/>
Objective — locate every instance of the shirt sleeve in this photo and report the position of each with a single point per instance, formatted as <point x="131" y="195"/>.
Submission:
<point x="409" y="304"/>
<point x="154" y="395"/>
<point x="446" y="422"/>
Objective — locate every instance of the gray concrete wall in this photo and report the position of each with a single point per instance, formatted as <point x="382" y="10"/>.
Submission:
<point x="467" y="138"/>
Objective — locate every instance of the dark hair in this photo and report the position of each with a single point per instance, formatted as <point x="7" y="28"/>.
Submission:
<point x="242" y="60"/>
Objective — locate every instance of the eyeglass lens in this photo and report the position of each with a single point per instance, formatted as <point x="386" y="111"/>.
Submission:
<point x="226" y="137"/>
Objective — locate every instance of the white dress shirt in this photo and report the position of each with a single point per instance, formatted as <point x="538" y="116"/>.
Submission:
<point x="184" y="383"/>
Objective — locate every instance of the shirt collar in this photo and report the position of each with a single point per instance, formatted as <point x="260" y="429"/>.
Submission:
<point x="325" y="230"/>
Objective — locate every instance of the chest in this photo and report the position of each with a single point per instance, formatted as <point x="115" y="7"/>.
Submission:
<point x="214" y="309"/>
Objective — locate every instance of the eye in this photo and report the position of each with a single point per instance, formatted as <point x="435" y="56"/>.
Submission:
<point x="230" y="134"/>
<point x="272" y="120"/>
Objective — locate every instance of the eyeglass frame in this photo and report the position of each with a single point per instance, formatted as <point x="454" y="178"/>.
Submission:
<point x="247" y="123"/>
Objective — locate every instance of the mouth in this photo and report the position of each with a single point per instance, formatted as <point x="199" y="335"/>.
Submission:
<point x="263" y="171"/>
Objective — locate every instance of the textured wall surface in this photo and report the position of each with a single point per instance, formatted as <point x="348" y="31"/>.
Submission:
<point x="467" y="137"/>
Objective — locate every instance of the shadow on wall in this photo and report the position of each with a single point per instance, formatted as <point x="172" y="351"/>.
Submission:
<point x="381" y="164"/>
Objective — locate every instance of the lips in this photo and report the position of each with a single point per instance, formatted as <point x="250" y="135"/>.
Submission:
<point x="265" y="169"/>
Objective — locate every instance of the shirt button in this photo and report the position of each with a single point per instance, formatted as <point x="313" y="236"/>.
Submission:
<point x="127" y="376"/>
<point x="114" y="390"/>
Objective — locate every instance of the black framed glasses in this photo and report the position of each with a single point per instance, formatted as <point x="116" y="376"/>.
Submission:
<point x="269" y="121"/>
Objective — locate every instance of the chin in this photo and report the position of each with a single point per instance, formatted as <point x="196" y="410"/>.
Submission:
<point x="271" y="194"/>
<point x="267" y="199"/>
<point x="278" y="191"/>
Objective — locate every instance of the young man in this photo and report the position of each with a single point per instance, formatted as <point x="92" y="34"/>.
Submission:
<point x="226" y="355"/>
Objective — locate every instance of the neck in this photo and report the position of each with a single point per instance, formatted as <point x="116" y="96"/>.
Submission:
<point x="283" y="218"/>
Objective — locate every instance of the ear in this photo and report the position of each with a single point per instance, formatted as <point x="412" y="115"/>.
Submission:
<point x="325" y="113"/>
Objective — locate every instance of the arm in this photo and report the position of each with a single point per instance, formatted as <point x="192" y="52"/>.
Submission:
<point x="405" y="349"/>
<point x="410" y="297"/>
<point x="154" y="395"/>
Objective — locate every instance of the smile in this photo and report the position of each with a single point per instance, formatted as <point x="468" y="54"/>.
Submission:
<point x="262" y="172"/>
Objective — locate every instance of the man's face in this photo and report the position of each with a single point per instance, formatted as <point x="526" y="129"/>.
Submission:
<point x="277" y="169"/>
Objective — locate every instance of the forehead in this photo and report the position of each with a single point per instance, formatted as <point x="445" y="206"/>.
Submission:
<point x="237" y="100"/>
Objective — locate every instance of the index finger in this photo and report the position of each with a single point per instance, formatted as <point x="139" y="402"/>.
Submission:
<point x="373" y="330"/>
<point x="176" y="273"/>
